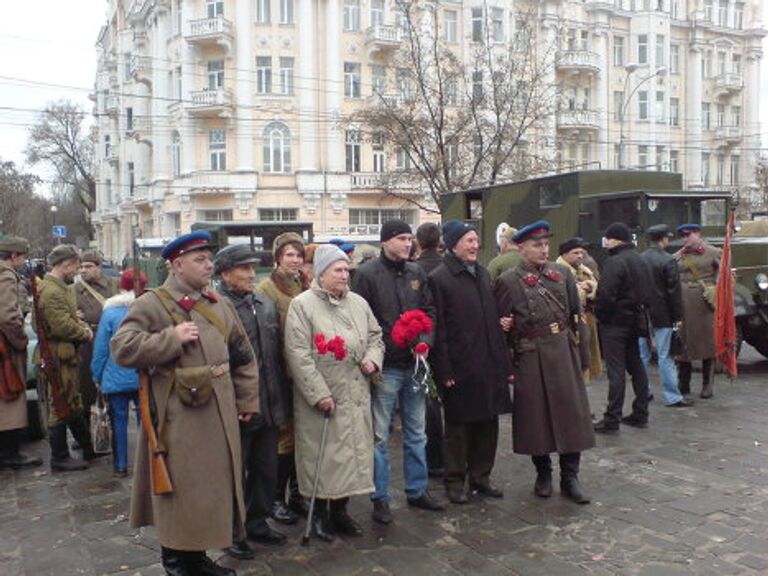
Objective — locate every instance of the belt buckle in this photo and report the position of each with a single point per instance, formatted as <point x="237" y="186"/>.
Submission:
<point x="554" y="328"/>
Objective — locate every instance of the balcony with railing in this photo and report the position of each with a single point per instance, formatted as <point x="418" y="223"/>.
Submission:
<point x="367" y="180"/>
<point x="728" y="135"/>
<point x="207" y="103"/>
<point x="207" y="31"/>
<point x="578" y="120"/>
<point x="578" y="61"/>
<point x="141" y="68"/>
<point x="728" y="83"/>
<point x="111" y="104"/>
<point x="383" y="37"/>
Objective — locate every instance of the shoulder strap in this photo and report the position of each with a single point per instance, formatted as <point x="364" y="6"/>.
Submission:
<point x="99" y="298"/>
<point x="202" y="308"/>
<point x="691" y="268"/>
<point x="168" y="304"/>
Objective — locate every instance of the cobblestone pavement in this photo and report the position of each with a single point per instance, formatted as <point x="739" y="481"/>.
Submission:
<point x="689" y="495"/>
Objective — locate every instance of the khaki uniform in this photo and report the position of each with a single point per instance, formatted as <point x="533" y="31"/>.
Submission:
<point x="698" y="330"/>
<point x="64" y="332"/>
<point x="13" y="413"/>
<point x="501" y="263"/>
<point x="203" y="442"/>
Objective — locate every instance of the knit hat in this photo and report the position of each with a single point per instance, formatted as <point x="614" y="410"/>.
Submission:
<point x="93" y="256"/>
<point x="286" y="238"/>
<point x="126" y="279"/>
<point x="325" y="255"/>
<point x="392" y="228"/>
<point x="453" y="230"/>
<point x="62" y="252"/>
<point x="618" y="231"/>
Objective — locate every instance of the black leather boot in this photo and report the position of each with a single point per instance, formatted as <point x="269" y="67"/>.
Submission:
<point x="10" y="456"/>
<point x="321" y="523"/>
<point x="708" y="378"/>
<point x="174" y="562"/>
<point x="570" y="486"/>
<point x="543" y="486"/>
<point x="60" y="458"/>
<point x="200" y="564"/>
<point x="684" y="370"/>
<point x="341" y="521"/>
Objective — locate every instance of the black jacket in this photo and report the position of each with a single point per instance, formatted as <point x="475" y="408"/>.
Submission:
<point x="666" y="306"/>
<point x="624" y="287"/>
<point x="391" y="288"/>
<point x="429" y="260"/>
<point x="259" y="316"/>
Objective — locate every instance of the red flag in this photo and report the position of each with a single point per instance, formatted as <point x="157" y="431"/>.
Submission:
<point x="725" y="320"/>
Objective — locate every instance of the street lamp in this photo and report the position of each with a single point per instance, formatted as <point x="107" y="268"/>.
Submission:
<point x="630" y="69"/>
<point x="54" y="209"/>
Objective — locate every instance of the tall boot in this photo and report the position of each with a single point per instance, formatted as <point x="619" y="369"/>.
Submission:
<point x="569" y="478"/>
<point x="60" y="458"/>
<point x="199" y="564"/>
<point x="321" y="522"/>
<point x="174" y="562"/>
<point x="10" y="455"/>
<point x="684" y="370"/>
<point x="543" y="486"/>
<point x="81" y="430"/>
<point x="341" y="521"/>
<point x="708" y="378"/>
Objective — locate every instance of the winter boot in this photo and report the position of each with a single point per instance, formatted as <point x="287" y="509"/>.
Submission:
<point x="684" y="370"/>
<point x="321" y="522"/>
<point x="543" y="486"/>
<point x="60" y="458"/>
<point x="10" y="456"/>
<point x="570" y="486"/>
<point x="708" y="378"/>
<point x="341" y="521"/>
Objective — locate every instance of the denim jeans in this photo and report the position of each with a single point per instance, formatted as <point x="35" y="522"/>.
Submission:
<point x="667" y="368"/>
<point x="397" y="388"/>
<point x="119" y="405"/>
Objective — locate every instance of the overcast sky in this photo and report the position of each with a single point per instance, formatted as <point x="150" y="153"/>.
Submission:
<point x="47" y="52"/>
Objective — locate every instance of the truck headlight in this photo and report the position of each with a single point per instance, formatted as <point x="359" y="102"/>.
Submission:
<point x="761" y="281"/>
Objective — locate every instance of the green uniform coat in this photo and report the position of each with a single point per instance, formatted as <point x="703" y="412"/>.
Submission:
<point x="13" y="413"/>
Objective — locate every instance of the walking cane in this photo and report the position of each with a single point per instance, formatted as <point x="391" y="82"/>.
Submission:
<point x="305" y="538"/>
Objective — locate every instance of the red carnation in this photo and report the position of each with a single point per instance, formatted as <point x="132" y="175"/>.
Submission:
<point x="421" y="348"/>
<point x="338" y="347"/>
<point x="409" y="327"/>
<point x="321" y="344"/>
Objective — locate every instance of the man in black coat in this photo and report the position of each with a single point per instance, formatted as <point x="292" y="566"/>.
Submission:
<point x="620" y="306"/>
<point x="472" y="364"/>
<point x="235" y="266"/>
<point x="428" y="239"/>
<point x="666" y="311"/>
<point x="392" y="285"/>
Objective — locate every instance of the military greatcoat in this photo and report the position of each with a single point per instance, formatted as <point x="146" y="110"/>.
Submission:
<point x="203" y="442"/>
<point x="551" y="411"/>
<point x="64" y="332"/>
<point x="13" y="413"/>
<point x="698" y="330"/>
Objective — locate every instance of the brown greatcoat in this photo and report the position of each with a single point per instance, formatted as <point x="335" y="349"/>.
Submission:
<point x="698" y="329"/>
<point x="13" y="413"/>
<point x="91" y="309"/>
<point x="551" y="411"/>
<point x="203" y="442"/>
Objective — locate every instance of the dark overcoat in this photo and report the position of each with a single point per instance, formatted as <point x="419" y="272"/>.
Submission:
<point x="13" y="413"/>
<point x="551" y="410"/>
<point x="469" y="344"/>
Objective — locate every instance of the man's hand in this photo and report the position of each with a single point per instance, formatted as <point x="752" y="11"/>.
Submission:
<point x="450" y="383"/>
<point x="80" y="315"/>
<point x="584" y="285"/>
<point x="507" y="322"/>
<point x="677" y="325"/>
<point x="326" y="405"/>
<point x="245" y="416"/>
<point x="88" y="334"/>
<point x="187" y="332"/>
<point x="367" y="367"/>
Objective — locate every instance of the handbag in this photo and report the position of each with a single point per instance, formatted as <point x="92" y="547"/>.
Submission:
<point x="676" y="344"/>
<point x="101" y="428"/>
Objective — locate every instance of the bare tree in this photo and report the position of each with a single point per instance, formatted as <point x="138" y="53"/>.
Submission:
<point x="61" y="140"/>
<point x="759" y="202"/>
<point x="461" y="120"/>
<point x="21" y="208"/>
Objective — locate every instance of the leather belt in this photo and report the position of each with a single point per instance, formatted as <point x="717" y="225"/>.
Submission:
<point x="541" y="331"/>
<point x="220" y="369"/>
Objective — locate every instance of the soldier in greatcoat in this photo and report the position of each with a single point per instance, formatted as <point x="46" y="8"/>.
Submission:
<point x="204" y="378"/>
<point x="539" y="304"/>
<point x="92" y="290"/>
<point x="13" y="406"/>
<point x="698" y="264"/>
<point x="59" y="324"/>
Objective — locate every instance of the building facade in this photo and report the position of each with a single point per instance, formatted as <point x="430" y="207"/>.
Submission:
<point x="232" y="109"/>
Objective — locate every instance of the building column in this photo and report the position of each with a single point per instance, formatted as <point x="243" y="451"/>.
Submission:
<point x="334" y="152"/>
<point x="692" y="115"/>
<point x="601" y="97"/>
<point x="751" y="113"/>
<point x="160" y="135"/>
<point x="307" y="87"/>
<point x="189" y="58"/>
<point x="245" y="127"/>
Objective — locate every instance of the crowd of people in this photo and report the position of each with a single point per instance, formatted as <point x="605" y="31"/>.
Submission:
<point x="262" y="396"/>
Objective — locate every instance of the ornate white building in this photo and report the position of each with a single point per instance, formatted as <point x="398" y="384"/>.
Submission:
<point x="230" y="109"/>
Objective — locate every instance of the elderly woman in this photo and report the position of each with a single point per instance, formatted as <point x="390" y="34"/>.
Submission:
<point x="333" y="382"/>
<point x="285" y="283"/>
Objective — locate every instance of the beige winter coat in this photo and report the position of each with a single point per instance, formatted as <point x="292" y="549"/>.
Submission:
<point x="347" y="468"/>
<point x="203" y="442"/>
<point x="13" y="413"/>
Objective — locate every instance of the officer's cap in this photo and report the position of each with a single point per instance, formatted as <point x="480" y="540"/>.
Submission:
<point x="187" y="243"/>
<point x="685" y="228"/>
<point x="658" y="231"/>
<point x="533" y="231"/>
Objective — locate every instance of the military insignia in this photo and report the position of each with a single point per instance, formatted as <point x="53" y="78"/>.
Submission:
<point x="187" y="302"/>
<point x="530" y="280"/>
<point x="553" y="275"/>
<point x="415" y="285"/>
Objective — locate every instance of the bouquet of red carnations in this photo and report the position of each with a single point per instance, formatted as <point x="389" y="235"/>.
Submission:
<point x="406" y="333"/>
<point x="338" y="347"/>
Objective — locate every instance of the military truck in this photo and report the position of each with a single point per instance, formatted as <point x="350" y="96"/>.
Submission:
<point x="585" y="203"/>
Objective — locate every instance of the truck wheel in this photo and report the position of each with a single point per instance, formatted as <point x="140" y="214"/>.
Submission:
<point x="760" y="344"/>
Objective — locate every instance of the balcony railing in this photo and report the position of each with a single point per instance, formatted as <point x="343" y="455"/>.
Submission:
<point x="141" y="67"/>
<point x="218" y="101"/>
<point x="578" y="60"/>
<point x="729" y="82"/>
<point x="728" y="134"/>
<point x="382" y="33"/>
<point x="111" y="104"/>
<point x="367" y="180"/>
<point x="210" y="30"/>
<point x="578" y="119"/>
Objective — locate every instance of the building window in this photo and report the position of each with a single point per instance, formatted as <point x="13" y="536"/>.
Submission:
<point x="217" y="148"/>
<point x="286" y="75"/>
<point x="450" y="32"/>
<point x="722" y="13"/>
<point x="659" y="112"/>
<point x="131" y="178"/>
<point x="178" y="84"/>
<point x="377" y="12"/>
<point x="736" y="116"/>
<point x="215" y="74"/>
<point x="286" y="11"/>
<point x="107" y="145"/>
<point x="661" y="157"/>
<point x="451" y="92"/>
<point x="263" y="15"/>
<point x="176" y="153"/>
<point x="477" y="85"/>
<point x="660" y="41"/>
<point x="278" y="214"/>
<point x="674" y="59"/>
<point x="706" y="121"/>
<point x="738" y="15"/>
<point x="352" y="150"/>
<point x="377" y="216"/>
<point x="379" y="157"/>
<point x="477" y="24"/>
<point x="720" y="115"/>
<point x="618" y="105"/>
<point x="736" y="63"/>
<point x="734" y="169"/>
<point x="215" y="215"/>
<point x="403" y="84"/>
<point x="618" y="51"/>
<point x="642" y="157"/>
<point x="674" y="112"/>
<point x="215" y="8"/>
<point x="264" y="74"/>
<point x="721" y="59"/>
<point x="351" y="15"/>
<point x="584" y="40"/>
<point x="378" y="80"/>
<point x="705" y="168"/>
<point x="642" y="49"/>
<point x="708" y="10"/>
<point x="720" y="170"/>
<point x="403" y="159"/>
<point x="617" y="155"/>
<point x="129" y="119"/>
<point x="674" y="9"/>
<point x="108" y="192"/>
<point x="642" y="102"/>
<point x="277" y="148"/>
<point x="497" y="24"/>
<point x="674" y="161"/>
<point x="352" y="80"/>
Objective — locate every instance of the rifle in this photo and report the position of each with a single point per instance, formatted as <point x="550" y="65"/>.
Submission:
<point x="47" y="361"/>
<point x="11" y="382"/>
<point x="159" y="476"/>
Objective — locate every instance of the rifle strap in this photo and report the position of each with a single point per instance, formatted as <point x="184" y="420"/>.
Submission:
<point x="201" y="307"/>
<point x="98" y="297"/>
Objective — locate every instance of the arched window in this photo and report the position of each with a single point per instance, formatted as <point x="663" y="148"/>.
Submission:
<point x="277" y="148"/>
<point x="176" y="153"/>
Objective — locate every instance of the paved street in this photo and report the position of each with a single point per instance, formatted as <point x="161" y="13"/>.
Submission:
<point x="689" y="495"/>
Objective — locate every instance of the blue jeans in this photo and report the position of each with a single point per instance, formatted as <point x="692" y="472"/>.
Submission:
<point x="397" y="388"/>
<point x="667" y="368"/>
<point x="119" y="407"/>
